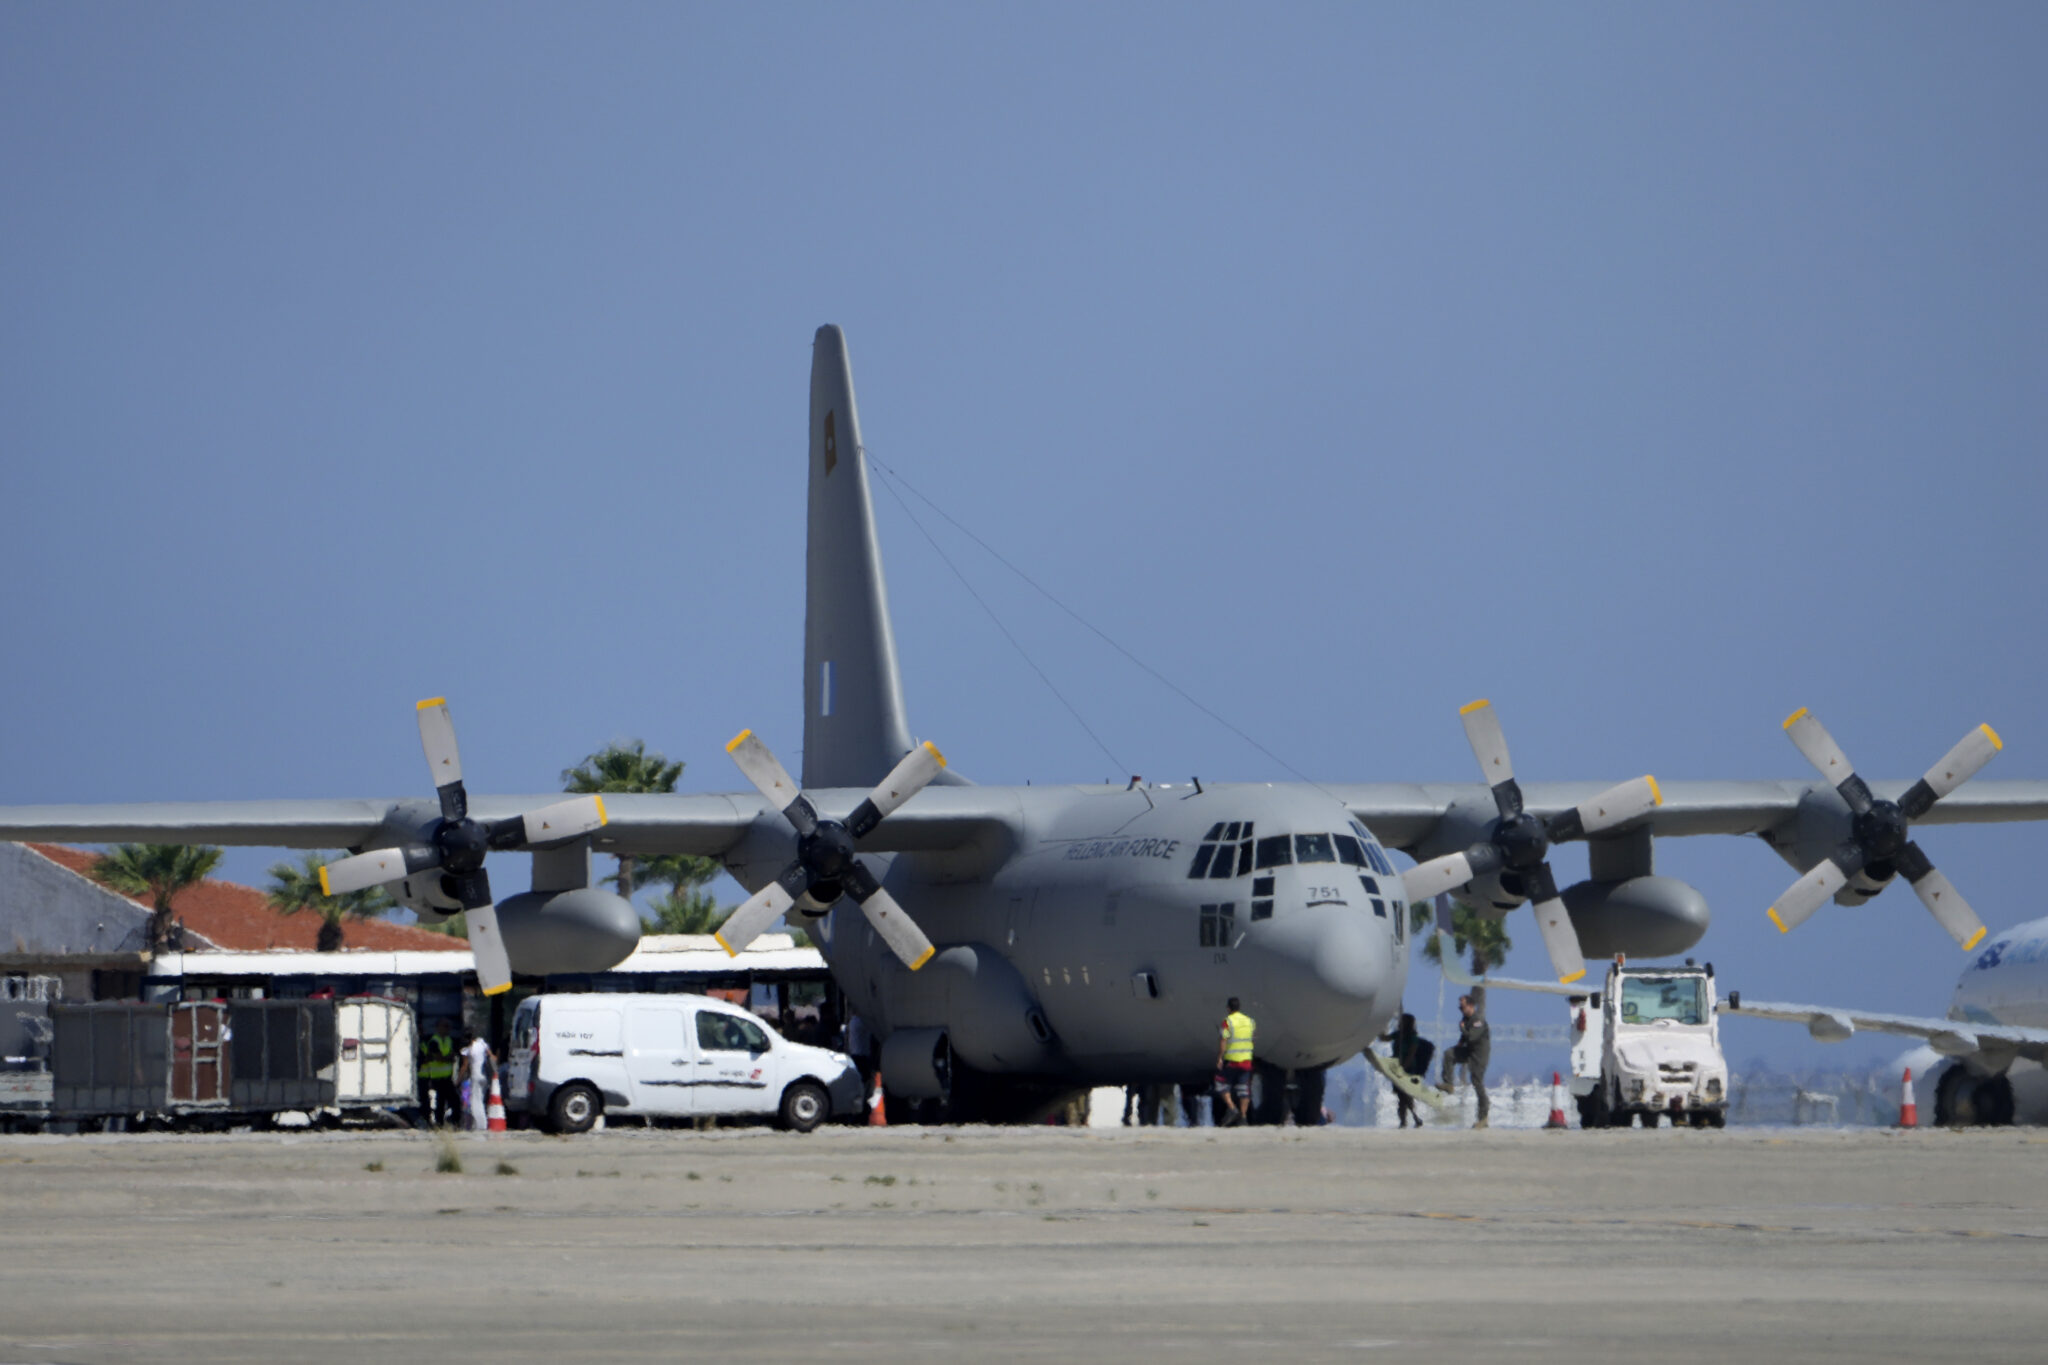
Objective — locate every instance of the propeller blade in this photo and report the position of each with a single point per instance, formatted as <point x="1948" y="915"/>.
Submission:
<point x="1609" y="810"/>
<point x="1809" y="893"/>
<point x="1561" y="940"/>
<point x="1957" y="766"/>
<point x="1812" y="739"/>
<point x="897" y="929"/>
<point x="1436" y="877"/>
<point x="444" y="760"/>
<point x="493" y="967"/>
<point x="762" y="768"/>
<point x="760" y="910"/>
<point x="1490" y="747"/>
<point x="552" y="824"/>
<point x="904" y="781"/>
<point x="378" y="867"/>
<point x="1941" y="898"/>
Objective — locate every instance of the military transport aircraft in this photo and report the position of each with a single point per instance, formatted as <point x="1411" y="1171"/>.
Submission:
<point x="1007" y="942"/>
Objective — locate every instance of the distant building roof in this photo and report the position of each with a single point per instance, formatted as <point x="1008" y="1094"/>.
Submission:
<point x="688" y="954"/>
<point x="236" y="918"/>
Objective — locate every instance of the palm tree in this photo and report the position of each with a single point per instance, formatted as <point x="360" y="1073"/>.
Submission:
<point x="296" y="886"/>
<point x="688" y="912"/>
<point x="624" y="767"/>
<point x="1485" y="935"/>
<point x="160" y="872"/>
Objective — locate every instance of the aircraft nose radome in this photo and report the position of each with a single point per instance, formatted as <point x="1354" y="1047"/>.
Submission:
<point x="1349" y="962"/>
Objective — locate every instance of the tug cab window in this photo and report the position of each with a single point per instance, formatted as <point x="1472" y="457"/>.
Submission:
<point x="1653" y="999"/>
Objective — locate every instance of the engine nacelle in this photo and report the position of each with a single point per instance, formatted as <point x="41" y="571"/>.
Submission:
<point x="1819" y="828"/>
<point x="916" y="1063"/>
<point x="1641" y="917"/>
<point x="583" y="930"/>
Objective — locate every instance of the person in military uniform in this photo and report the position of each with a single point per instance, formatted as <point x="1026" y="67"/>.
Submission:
<point x="1234" y="1065"/>
<point x="1474" y="1048"/>
<point x="439" y="1100"/>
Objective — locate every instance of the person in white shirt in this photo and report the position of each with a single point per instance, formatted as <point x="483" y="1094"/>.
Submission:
<point x="478" y="1053"/>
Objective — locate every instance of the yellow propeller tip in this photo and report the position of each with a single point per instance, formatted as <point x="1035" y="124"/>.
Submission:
<point x="1656" y="792"/>
<point x="1469" y="707"/>
<point x="730" y="951"/>
<point x="923" y="958"/>
<point x="942" y="758"/>
<point x="1773" y="913"/>
<point x="323" y="882"/>
<point x="431" y="701"/>
<point x="1793" y="719"/>
<point x="1992" y="735"/>
<point x="1575" y="976"/>
<point x="602" y="817"/>
<point x="497" y="990"/>
<point x="1976" y="938"/>
<point x="737" y="740"/>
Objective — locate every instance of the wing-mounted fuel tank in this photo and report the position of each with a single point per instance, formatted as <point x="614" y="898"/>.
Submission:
<point x="974" y="1000"/>
<point x="1822" y="825"/>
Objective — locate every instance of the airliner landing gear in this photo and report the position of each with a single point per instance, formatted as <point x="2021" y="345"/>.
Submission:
<point x="1964" y="1101"/>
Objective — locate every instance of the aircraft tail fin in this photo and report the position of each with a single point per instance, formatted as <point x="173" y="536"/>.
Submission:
<point x="855" y="725"/>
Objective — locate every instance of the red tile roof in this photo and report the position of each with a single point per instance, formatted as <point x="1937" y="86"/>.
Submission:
<point x="239" y="918"/>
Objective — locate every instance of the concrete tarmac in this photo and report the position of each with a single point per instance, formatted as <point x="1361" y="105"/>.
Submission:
<point x="1028" y="1244"/>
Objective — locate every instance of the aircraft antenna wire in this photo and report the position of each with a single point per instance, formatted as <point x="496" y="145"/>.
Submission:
<point x="893" y="478"/>
<point x="1015" y="644"/>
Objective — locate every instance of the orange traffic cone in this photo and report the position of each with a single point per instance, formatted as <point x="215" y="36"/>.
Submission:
<point x="494" y="1109"/>
<point x="878" y="1117"/>
<point x="1909" y="1109"/>
<point x="1557" y="1119"/>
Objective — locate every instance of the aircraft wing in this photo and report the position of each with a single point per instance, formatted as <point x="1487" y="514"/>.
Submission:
<point x="938" y="819"/>
<point x="1404" y="814"/>
<point x="1950" y="1037"/>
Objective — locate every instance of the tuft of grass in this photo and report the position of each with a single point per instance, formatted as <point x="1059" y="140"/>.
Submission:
<point x="691" y="1175"/>
<point x="507" y="1168"/>
<point x="373" y="1165"/>
<point x="447" y="1161"/>
<point x="880" y="1180"/>
<point x="1151" y="1194"/>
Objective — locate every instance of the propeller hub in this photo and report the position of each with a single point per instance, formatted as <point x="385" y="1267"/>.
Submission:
<point x="463" y="844"/>
<point x="827" y="850"/>
<point x="1522" y="842"/>
<point x="1881" y="831"/>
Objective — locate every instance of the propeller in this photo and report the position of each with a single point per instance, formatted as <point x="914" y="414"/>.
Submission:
<point x="826" y="866"/>
<point x="1520" y="842"/>
<point x="456" y="846"/>
<point x="1878" y="841"/>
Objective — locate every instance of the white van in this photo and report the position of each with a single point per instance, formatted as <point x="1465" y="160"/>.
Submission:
<point x="575" y="1057"/>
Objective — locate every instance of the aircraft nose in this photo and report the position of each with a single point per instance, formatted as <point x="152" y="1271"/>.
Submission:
<point x="1350" y="959"/>
<point x="1334" y="962"/>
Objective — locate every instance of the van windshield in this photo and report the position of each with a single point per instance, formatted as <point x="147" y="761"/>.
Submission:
<point x="1647" y="999"/>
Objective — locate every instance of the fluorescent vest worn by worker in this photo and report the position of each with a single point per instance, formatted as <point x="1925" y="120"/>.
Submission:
<point x="437" y="1054"/>
<point x="1237" y="1047"/>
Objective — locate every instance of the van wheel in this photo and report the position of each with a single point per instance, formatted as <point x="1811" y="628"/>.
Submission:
<point x="574" y="1108"/>
<point x="804" y="1107"/>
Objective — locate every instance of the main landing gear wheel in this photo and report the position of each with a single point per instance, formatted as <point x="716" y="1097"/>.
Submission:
<point x="804" y="1107"/>
<point x="574" y="1108"/>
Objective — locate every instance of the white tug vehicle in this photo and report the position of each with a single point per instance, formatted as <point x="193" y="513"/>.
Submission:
<point x="1645" y="1046"/>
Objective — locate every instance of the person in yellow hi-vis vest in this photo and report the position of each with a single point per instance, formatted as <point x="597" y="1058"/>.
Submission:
<point x="1234" y="1065"/>
<point x="437" y="1076"/>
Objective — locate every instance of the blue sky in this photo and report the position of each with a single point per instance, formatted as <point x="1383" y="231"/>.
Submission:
<point x="1653" y="371"/>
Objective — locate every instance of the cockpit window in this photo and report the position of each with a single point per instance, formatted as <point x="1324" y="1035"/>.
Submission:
<point x="1231" y="857"/>
<point x="1313" y="848"/>
<point x="1350" y="851"/>
<point x="1277" y="851"/>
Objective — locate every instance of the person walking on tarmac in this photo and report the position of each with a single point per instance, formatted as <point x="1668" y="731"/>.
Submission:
<point x="438" y="1096"/>
<point x="1411" y="1052"/>
<point x="1474" y="1048"/>
<point x="1234" y="1065"/>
